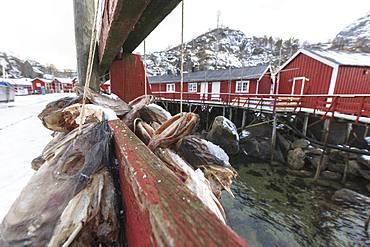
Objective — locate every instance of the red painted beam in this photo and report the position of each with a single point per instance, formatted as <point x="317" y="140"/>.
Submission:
<point x="128" y="77"/>
<point x="119" y="19"/>
<point x="160" y="210"/>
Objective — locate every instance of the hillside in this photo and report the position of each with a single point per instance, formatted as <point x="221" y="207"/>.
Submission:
<point x="222" y="48"/>
<point x="355" y="37"/>
<point x="17" y="68"/>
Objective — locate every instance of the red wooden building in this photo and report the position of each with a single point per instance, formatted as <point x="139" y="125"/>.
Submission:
<point x="38" y="84"/>
<point x="60" y="85"/>
<point x="311" y="72"/>
<point x="217" y="85"/>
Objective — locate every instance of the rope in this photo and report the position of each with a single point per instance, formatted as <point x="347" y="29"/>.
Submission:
<point x="182" y="54"/>
<point x="89" y="70"/>
<point x="145" y="79"/>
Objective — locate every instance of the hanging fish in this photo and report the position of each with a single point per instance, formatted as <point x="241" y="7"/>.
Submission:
<point x="70" y="199"/>
<point x="116" y="104"/>
<point x="154" y="113"/>
<point x="212" y="159"/>
<point x="59" y="105"/>
<point x="174" y="129"/>
<point x="136" y="106"/>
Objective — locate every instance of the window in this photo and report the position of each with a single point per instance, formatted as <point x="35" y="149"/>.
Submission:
<point x="170" y="88"/>
<point x="192" y="87"/>
<point x="242" y="86"/>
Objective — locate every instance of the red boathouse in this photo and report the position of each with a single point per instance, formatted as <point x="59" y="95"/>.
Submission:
<point x="311" y="72"/>
<point x="216" y="85"/>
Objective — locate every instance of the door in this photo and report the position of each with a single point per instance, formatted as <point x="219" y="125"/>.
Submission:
<point x="204" y="91"/>
<point x="298" y="86"/>
<point x="216" y="90"/>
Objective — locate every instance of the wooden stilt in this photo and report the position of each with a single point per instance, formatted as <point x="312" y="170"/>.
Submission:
<point x="190" y="107"/>
<point x="348" y="136"/>
<point x="305" y="124"/>
<point x="244" y="119"/>
<point x="273" y="136"/>
<point x="231" y="114"/>
<point x="224" y="111"/>
<point x="207" y="118"/>
<point x="327" y="131"/>
<point x="366" y="131"/>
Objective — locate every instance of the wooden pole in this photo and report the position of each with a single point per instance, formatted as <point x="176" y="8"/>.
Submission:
<point x="244" y="119"/>
<point x="305" y="124"/>
<point x="273" y="136"/>
<point x="84" y="13"/>
<point x="231" y="114"/>
<point x="327" y="131"/>
<point x="348" y="136"/>
<point x="190" y="107"/>
<point x="366" y="131"/>
<point x="224" y="111"/>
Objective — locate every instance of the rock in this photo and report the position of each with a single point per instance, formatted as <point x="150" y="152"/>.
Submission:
<point x="353" y="168"/>
<point x="257" y="148"/>
<point x="283" y="143"/>
<point x="313" y="151"/>
<point x="364" y="173"/>
<point x="338" y="167"/>
<point x="296" y="159"/>
<point x="350" y="196"/>
<point x="301" y="173"/>
<point x="331" y="175"/>
<point x="300" y="143"/>
<point x="224" y="134"/>
<point x="364" y="160"/>
<point x="368" y="188"/>
<point x="337" y="156"/>
<point x="315" y="161"/>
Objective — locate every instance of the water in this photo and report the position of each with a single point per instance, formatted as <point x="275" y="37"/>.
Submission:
<point x="273" y="208"/>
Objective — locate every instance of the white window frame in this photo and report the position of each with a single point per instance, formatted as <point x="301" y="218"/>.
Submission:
<point x="193" y="87"/>
<point x="170" y="88"/>
<point x="242" y="89"/>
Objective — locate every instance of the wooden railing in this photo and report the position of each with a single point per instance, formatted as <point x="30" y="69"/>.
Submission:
<point x="357" y="106"/>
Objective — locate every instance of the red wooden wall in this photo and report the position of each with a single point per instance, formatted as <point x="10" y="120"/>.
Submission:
<point x="319" y="75"/>
<point x="265" y="84"/>
<point x="353" y="80"/>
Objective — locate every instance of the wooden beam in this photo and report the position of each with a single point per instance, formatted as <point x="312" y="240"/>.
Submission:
<point x="119" y="20"/>
<point x="159" y="209"/>
<point x="155" y="12"/>
<point x="84" y="12"/>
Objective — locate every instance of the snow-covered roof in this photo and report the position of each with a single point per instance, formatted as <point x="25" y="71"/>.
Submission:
<point x="65" y="80"/>
<point x="20" y="81"/>
<point x="343" y="58"/>
<point x="42" y="79"/>
<point x="254" y="72"/>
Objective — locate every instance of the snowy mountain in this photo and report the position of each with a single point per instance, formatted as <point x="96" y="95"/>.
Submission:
<point x="17" y="68"/>
<point x="355" y="37"/>
<point x="222" y="48"/>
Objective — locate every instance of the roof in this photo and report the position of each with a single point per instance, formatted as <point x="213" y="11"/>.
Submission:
<point x="254" y="72"/>
<point x="42" y="79"/>
<point x="333" y="58"/>
<point x="64" y="80"/>
<point x="344" y="58"/>
<point x="20" y="81"/>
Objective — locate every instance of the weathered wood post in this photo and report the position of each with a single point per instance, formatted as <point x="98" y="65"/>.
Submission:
<point x="190" y="107"/>
<point x="305" y="124"/>
<point x="84" y="13"/>
<point x="348" y="137"/>
<point x="244" y="119"/>
<point x="327" y="124"/>
<point x="366" y="131"/>
<point x="224" y="111"/>
<point x="231" y="114"/>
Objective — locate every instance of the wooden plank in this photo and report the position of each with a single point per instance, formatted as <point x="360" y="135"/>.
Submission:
<point x="160" y="210"/>
<point x="119" y="19"/>
<point x="154" y="13"/>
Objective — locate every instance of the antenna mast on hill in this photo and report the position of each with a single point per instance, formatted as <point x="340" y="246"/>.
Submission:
<point x="218" y="18"/>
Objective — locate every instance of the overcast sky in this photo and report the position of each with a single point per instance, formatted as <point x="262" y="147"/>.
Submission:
<point x="43" y="29"/>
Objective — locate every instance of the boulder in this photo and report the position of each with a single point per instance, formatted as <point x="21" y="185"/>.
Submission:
<point x="364" y="160"/>
<point x="350" y="196"/>
<point x="368" y="188"/>
<point x="331" y="175"/>
<point x="257" y="148"/>
<point x="336" y="167"/>
<point x="224" y="134"/>
<point x="296" y="159"/>
<point x="300" y="143"/>
<point x="315" y="161"/>
<point x="301" y="173"/>
<point x="313" y="151"/>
